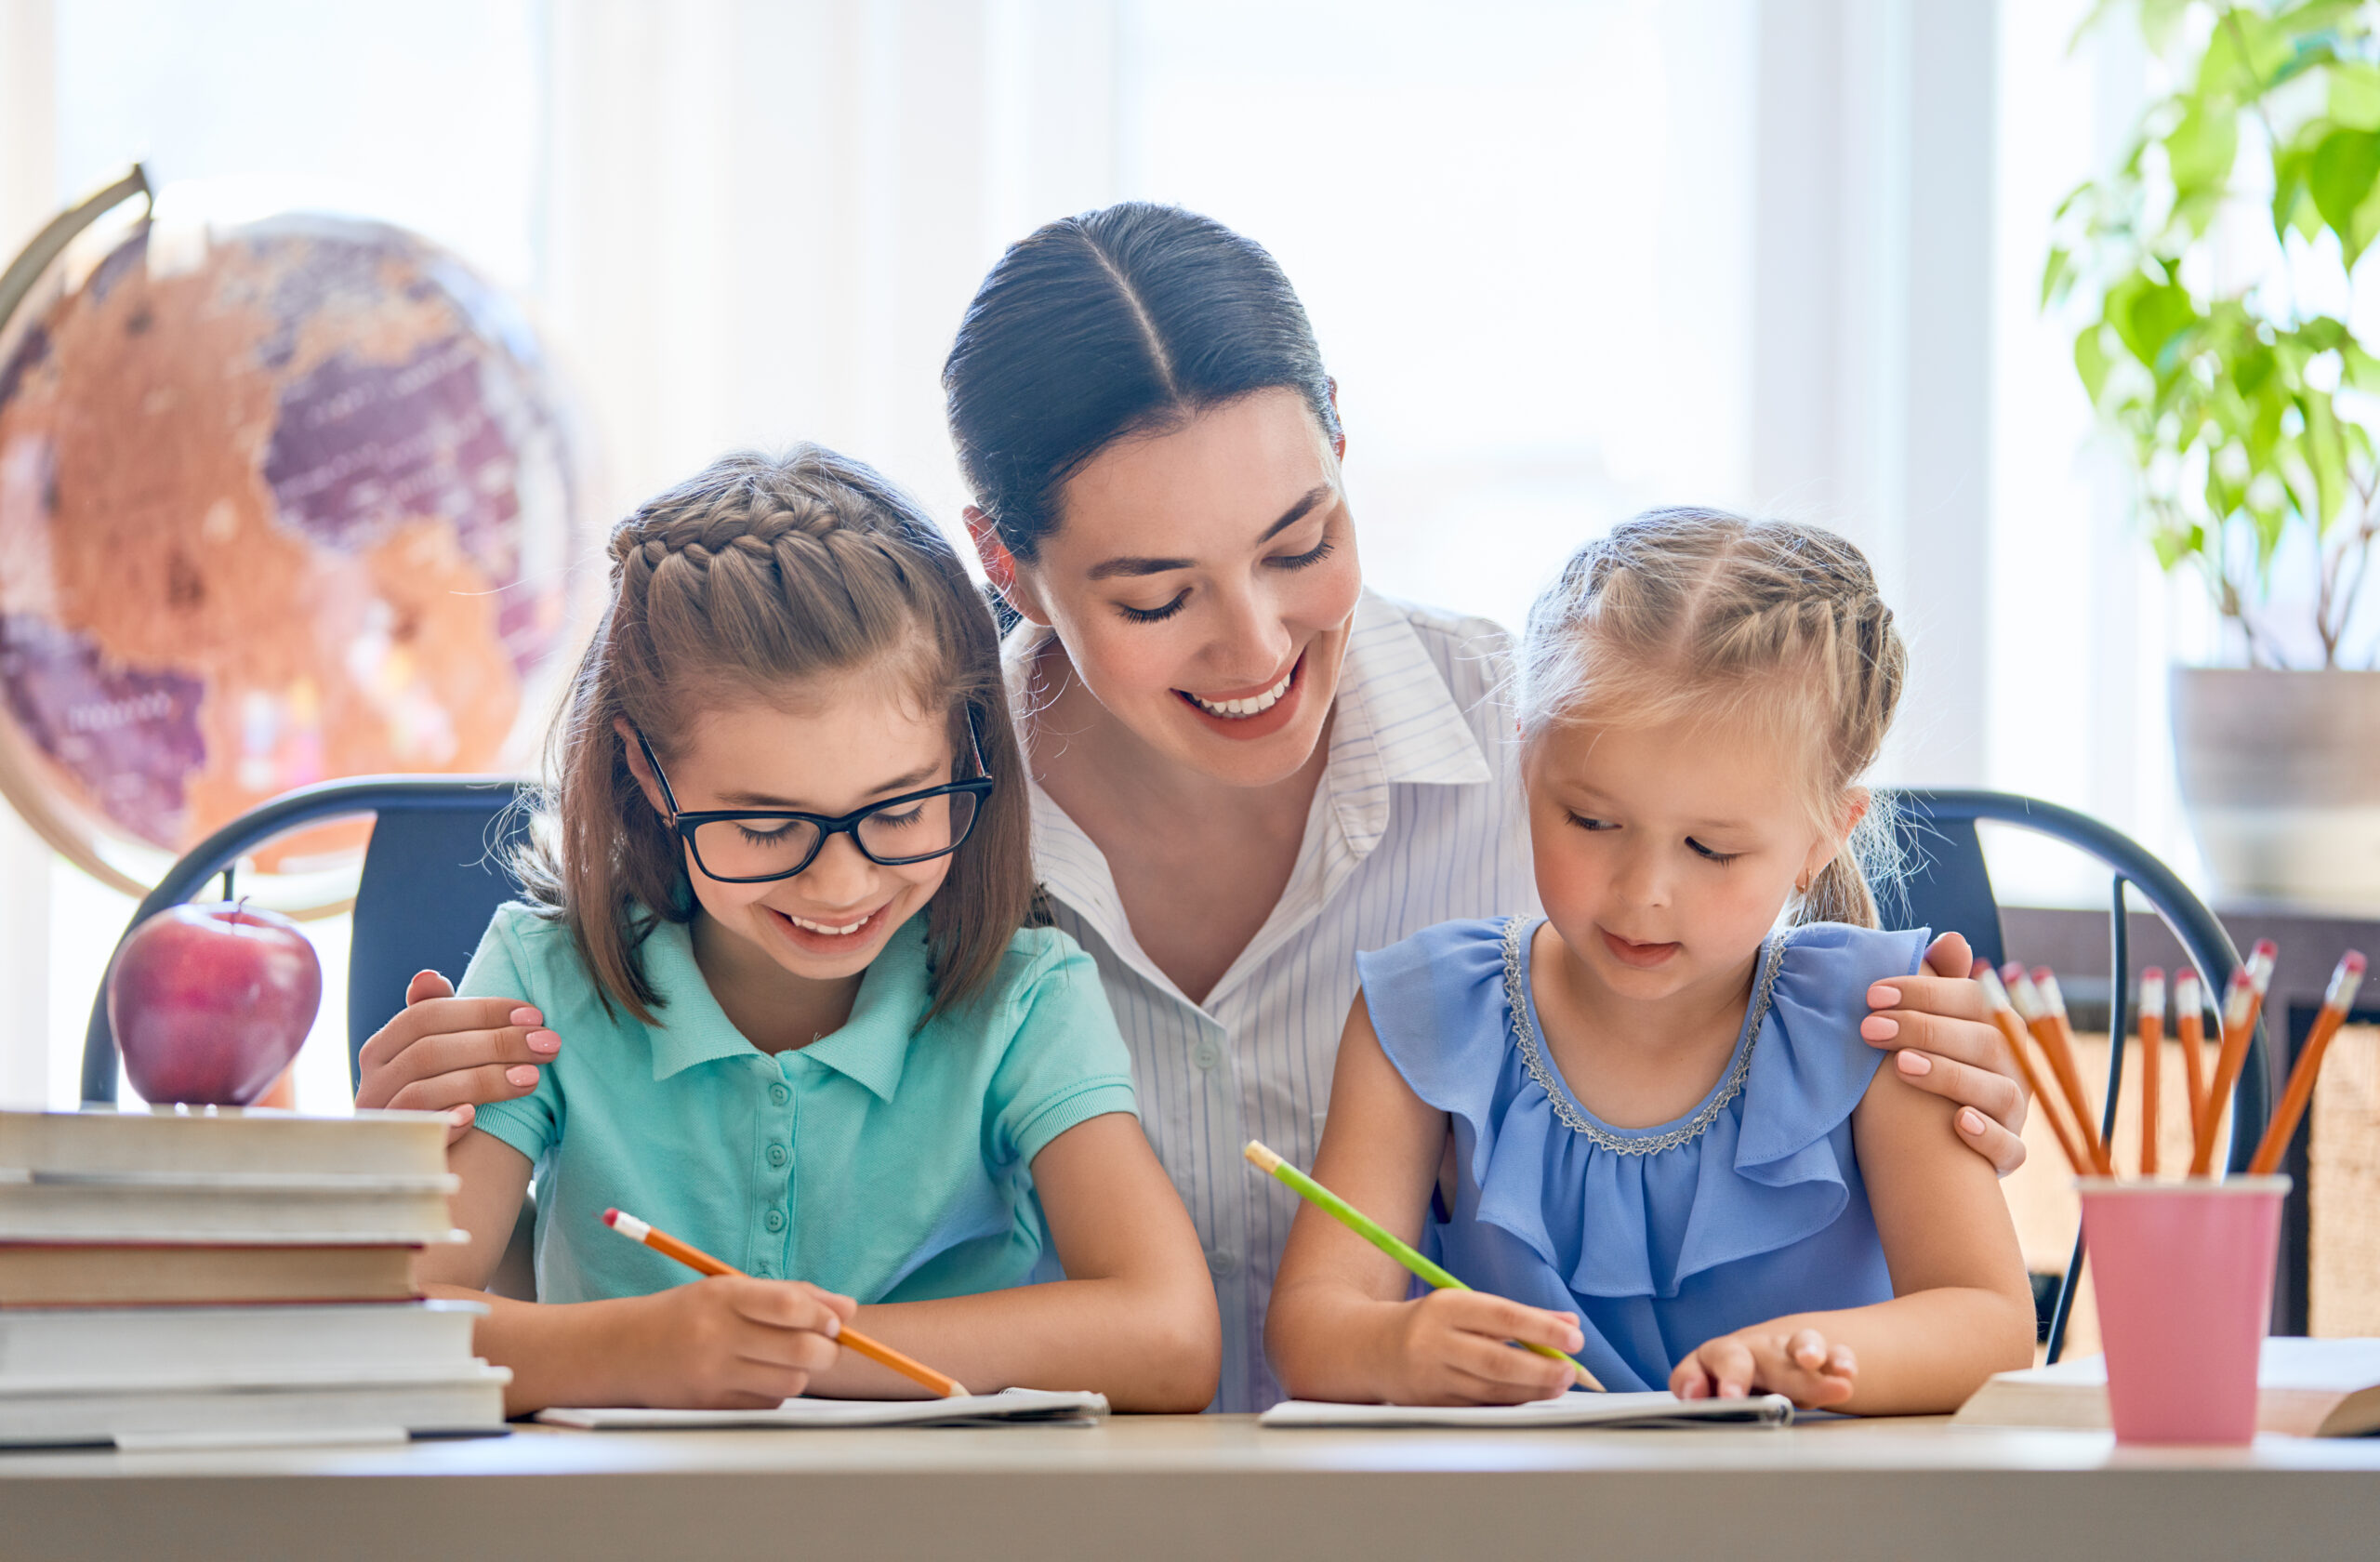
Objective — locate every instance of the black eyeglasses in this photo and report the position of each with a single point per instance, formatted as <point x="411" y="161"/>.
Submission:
<point x="755" y="845"/>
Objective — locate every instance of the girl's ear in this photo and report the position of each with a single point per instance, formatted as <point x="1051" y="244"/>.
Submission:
<point x="1855" y="803"/>
<point x="636" y="767"/>
<point x="1000" y="564"/>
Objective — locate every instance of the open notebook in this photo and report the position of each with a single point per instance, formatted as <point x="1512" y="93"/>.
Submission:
<point x="1567" y="1410"/>
<point x="1020" y="1405"/>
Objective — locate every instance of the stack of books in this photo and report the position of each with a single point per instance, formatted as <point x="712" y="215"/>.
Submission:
<point x="194" y="1275"/>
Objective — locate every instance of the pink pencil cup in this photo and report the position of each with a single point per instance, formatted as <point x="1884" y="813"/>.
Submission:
<point x="2184" y="1273"/>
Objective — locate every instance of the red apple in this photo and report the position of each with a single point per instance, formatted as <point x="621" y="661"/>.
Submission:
<point x="210" y="1002"/>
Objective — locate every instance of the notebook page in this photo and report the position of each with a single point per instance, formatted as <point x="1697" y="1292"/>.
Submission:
<point x="1567" y="1410"/>
<point x="1010" y="1405"/>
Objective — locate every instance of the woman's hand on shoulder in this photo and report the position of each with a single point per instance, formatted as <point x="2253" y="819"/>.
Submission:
<point x="443" y="1053"/>
<point x="1799" y="1363"/>
<point x="1449" y="1348"/>
<point x="727" y="1342"/>
<point x="1943" y="1042"/>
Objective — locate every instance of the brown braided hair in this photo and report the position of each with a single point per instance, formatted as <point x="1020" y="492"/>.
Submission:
<point x="754" y="581"/>
<point x="1697" y="614"/>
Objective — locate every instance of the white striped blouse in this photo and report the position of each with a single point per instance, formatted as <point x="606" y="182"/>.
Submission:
<point x="1418" y="820"/>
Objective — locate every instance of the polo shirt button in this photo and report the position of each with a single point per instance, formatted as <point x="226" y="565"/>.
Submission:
<point x="1207" y="1056"/>
<point x="765" y="1272"/>
<point x="776" y="1155"/>
<point x="775" y="1220"/>
<point x="1220" y="1263"/>
<point x="779" y="1095"/>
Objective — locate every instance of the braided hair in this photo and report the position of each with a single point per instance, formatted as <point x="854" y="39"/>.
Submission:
<point x="1697" y="614"/>
<point x="758" y="581"/>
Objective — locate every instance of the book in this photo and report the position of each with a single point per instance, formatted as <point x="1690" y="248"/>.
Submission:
<point x="1009" y="1406"/>
<point x="1618" y="1411"/>
<point x="84" y="1275"/>
<point x="202" y="1208"/>
<point x="226" y="1142"/>
<point x="2306" y="1388"/>
<point x="158" y="1346"/>
<point x="467" y="1400"/>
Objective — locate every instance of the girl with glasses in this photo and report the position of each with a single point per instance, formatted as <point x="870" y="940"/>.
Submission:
<point x="778" y="897"/>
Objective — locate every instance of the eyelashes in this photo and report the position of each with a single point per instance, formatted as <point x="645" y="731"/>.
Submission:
<point x="1307" y="559"/>
<point x="1708" y="856"/>
<point x="1598" y="826"/>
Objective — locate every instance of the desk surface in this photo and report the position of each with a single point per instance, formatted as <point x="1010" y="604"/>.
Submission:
<point x="1212" y="1486"/>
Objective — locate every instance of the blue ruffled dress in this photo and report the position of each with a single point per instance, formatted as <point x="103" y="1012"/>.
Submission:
<point x="1659" y="1238"/>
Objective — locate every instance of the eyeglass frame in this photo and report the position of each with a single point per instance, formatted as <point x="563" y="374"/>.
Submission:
<point x="979" y="786"/>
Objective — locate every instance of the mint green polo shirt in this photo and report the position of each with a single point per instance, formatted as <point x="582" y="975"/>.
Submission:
<point x="890" y="1161"/>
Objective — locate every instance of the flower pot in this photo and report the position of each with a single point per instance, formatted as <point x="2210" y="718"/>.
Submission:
<point x="2281" y="777"/>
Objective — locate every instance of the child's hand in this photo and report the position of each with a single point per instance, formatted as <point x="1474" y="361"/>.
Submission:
<point x="1797" y="1363"/>
<point x="1450" y="1349"/>
<point x="442" y="1052"/>
<point x="729" y="1342"/>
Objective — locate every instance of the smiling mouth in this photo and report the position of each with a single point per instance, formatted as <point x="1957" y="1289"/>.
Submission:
<point x="1633" y="953"/>
<point x="829" y="930"/>
<point x="1253" y="705"/>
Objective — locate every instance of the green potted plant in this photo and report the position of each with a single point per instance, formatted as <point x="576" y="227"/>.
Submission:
<point x="2216" y="278"/>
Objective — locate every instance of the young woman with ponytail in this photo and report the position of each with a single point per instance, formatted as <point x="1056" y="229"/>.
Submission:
<point x="1670" y="1153"/>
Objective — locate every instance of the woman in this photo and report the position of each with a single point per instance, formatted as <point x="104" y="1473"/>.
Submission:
<point x="1247" y="767"/>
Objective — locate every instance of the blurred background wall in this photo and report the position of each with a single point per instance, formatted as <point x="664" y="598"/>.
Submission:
<point x="1566" y="259"/>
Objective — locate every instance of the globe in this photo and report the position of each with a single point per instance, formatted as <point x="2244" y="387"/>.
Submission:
<point x="282" y="499"/>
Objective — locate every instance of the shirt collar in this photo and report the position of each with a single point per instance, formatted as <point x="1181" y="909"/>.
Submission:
<point x="871" y="1047"/>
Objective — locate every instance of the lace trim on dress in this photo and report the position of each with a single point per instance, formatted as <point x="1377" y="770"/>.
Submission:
<point x="1533" y="1056"/>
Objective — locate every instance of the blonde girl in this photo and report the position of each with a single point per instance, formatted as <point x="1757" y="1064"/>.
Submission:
<point x="1652" y="1132"/>
<point x="777" y="911"/>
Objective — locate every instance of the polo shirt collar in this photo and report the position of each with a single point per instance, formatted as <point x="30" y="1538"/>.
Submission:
<point x="872" y="1047"/>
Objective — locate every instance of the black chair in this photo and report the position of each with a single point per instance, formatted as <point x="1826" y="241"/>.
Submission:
<point x="1948" y="889"/>
<point x="434" y="873"/>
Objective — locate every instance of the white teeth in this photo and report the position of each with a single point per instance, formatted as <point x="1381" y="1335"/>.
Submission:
<point x="821" y="927"/>
<point x="1253" y="706"/>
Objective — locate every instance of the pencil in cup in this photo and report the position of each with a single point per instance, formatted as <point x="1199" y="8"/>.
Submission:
<point x="1372" y="1231"/>
<point x="2047" y="1022"/>
<point x="2011" y="1027"/>
<point x="696" y="1259"/>
<point x="2189" y="1028"/>
<point x="2152" y="1062"/>
<point x="2336" y="1001"/>
<point x="2241" y="1005"/>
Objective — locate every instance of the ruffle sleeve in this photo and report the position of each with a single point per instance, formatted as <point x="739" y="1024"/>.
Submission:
<point x="1619" y="1212"/>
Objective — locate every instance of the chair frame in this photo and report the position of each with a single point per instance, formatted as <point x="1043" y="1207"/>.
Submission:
<point x="2201" y="936"/>
<point x="221" y="852"/>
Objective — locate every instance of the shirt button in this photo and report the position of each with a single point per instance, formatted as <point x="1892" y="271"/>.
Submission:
<point x="775" y="1220"/>
<point x="1207" y="1056"/>
<point x="779" y="1095"/>
<point x="765" y="1272"/>
<point x="776" y="1155"/>
<point x="1220" y="1263"/>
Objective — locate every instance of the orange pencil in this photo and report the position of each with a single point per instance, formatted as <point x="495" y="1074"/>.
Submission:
<point x="2003" y="1014"/>
<point x="2241" y="1005"/>
<point x="695" y="1258"/>
<point x="2336" y="1004"/>
<point x="2047" y="1022"/>
<point x="2190" y="1028"/>
<point x="2152" y="1062"/>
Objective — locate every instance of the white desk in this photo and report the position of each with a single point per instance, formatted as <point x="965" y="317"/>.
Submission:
<point x="1215" y="1486"/>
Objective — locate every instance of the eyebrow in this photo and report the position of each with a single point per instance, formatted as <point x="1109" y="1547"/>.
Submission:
<point x="1133" y="564"/>
<point x="914" y="779"/>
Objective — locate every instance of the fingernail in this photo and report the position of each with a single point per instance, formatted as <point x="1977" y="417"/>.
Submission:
<point x="1915" y="1064"/>
<point x="1879" y="1028"/>
<point x="522" y="1074"/>
<point x="544" y="1042"/>
<point x="1881" y="997"/>
<point x="834" y="1327"/>
<point x="1970" y="1121"/>
<point x="526" y="1015"/>
<point x="1730" y="1390"/>
<point x="461" y="1116"/>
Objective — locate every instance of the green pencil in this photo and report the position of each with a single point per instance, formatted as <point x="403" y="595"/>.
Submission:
<point x="1371" y="1231"/>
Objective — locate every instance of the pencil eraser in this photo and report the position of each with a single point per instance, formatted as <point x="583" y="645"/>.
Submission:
<point x="2265" y="947"/>
<point x="610" y="1217"/>
<point x="2352" y="960"/>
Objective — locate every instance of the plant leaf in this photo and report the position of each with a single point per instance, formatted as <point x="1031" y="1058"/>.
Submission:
<point x="2200" y="150"/>
<point x="2340" y="179"/>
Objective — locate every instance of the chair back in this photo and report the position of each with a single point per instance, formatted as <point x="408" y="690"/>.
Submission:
<point x="437" y="867"/>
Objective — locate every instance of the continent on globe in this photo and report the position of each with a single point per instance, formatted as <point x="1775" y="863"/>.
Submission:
<point x="296" y="506"/>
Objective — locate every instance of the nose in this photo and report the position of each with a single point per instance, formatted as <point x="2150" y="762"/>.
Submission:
<point x="1252" y="638"/>
<point x="1641" y="876"/>
<point x="840" y="875"/>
